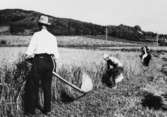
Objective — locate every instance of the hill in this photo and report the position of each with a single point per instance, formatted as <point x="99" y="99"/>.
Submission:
<point x="24" y="22"/>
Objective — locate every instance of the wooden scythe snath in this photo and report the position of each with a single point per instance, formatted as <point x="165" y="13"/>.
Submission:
<point x="68" y="83"/>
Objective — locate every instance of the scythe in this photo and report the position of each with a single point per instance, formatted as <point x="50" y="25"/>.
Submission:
<point x="86" y="86"/>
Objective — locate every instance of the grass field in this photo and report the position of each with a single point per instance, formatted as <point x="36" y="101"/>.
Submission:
<point x="138" y="95"/>
<point x="74" y="41"/>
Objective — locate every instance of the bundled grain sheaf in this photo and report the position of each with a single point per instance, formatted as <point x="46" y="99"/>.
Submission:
<point x="87" y="84"/>
<point x="12" y="79"/>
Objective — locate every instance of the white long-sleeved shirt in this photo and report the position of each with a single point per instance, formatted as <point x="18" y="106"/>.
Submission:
<point x="43" y="42"/>
<point x="145" y="54"/>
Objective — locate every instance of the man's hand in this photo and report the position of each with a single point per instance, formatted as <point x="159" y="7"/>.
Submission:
<point x="28" y="60"/>
<point x="54" y="63"/>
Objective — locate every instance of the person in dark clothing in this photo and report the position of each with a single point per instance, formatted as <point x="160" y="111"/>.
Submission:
<point x="145" y="56"/>
<point x="43" y="50"/>
<point x="114" y="71"/>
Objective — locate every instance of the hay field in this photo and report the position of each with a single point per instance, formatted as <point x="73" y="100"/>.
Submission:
<point x="72" y="41"/>
<point x="70" y="56"/>
<point x="128" y="100"/>
<point x="134" y="96"/>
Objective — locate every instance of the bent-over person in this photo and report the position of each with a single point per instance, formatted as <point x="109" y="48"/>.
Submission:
<point x="44" y="51"/>
<point x="114" y="71"/>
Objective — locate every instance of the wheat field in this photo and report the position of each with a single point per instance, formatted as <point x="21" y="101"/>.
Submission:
<point x="130" y="99"/>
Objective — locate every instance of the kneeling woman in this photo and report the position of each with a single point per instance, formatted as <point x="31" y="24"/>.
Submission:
<point x="114" y="71"/>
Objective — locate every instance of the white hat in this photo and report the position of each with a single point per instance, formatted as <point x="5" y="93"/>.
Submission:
<point x="106" y="56"/>
<point x="113" y="59"/>
<point x="44" y="20"/>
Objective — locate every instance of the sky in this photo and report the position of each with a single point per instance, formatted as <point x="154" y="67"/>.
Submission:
<point x="150" y="15"/>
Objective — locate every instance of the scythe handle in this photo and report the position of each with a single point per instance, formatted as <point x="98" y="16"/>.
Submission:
<point x="68" y="83"/>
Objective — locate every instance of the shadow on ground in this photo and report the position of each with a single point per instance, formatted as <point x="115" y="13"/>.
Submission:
<point x="65" y="98"/>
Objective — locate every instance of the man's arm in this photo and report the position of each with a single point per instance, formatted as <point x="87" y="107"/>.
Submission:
<point x="55" y="49"/>
<point x="55" y="53"/>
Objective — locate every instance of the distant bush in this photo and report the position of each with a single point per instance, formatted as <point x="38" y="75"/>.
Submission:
<point x="131" y="33"/>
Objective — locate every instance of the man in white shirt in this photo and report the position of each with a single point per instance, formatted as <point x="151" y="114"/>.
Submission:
<point x="44" y="51"/>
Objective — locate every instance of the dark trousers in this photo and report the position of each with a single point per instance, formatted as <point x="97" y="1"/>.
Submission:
<point x="110" y="75"/>
<point x="41" y="73"/>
